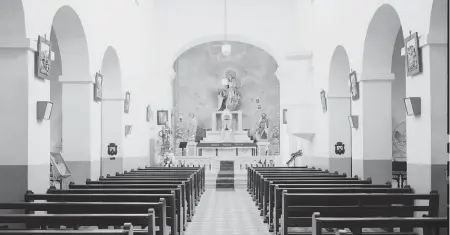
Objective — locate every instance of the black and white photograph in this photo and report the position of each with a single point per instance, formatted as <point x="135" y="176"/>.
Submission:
<point x="249" y="117"/>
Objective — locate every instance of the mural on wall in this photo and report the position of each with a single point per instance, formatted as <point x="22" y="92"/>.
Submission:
<point x="251" y="70"/>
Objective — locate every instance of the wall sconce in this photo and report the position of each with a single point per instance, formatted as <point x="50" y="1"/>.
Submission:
<point x="353" y="120"/>
<point x="128" y="129"/>
<point x="413" y="106"/>
<point x="44" y="110"/>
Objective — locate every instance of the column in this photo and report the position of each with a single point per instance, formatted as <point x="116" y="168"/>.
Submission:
<point x="338" y="109"/>
<point x="24" y="140"/>
<point x="427" y="134"/>
<point x="112" y="133"/>
<point x="81" y="128"/>
<point x="372" y="140"/>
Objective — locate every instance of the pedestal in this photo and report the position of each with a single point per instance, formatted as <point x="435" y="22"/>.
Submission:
<point x="192" y="149"/>
<point x="262" y="148"/>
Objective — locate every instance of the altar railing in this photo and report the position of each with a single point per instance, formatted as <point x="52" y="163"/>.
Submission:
<point x="240" y="162"/>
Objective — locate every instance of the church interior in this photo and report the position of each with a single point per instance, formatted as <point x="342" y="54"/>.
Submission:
<point x="192" y="117"/>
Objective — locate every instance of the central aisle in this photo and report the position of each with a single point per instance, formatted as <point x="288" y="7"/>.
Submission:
<point x="226" y="212"/>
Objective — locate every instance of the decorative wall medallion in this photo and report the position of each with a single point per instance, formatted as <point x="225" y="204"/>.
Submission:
<point x="339" y="148"/>
<point x="43" y="57"/>
<point x="412" y="54"/>
<point x="112" y="149"/>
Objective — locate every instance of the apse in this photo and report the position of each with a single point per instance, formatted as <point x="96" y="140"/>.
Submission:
<point x="199" y="74"/>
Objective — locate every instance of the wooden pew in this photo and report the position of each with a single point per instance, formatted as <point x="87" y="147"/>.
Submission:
<point x="197" y="176"/>
<point x="73" y="204"/>
<point x="258" y="179"/>
<point x="187" y="191"/>
<point x="76" y="220"/>
<point x="297" y="209"/>
<point x="198" y="172"/>
<point x="308" y="180"/>
<point x="263" y="186"/>
<point x="196" y="186"/>
<point x="179" y="200"/>
<point x="127" y="230"/>
<point x="251" y="172"/>
<point x="190" y="188"/>
<point x="275" y="206"/>
<point x="430" y="225"/>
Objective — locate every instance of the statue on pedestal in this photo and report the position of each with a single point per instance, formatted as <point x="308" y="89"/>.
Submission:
<point x="262" y="128"/>
<point x="193" y="127"/>
<point x="228" y="96"/>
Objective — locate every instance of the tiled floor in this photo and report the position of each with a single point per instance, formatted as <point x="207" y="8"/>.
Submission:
<point x="226" y="212"/>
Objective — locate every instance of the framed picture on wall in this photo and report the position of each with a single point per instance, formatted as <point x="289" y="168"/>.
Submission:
<point x="43" y="58"/>
<point x="127" y="102"/>
<point x="163" y="117"/>
<point x="323" y="98"/>
<point x="284" y="116"/>
<point x="354" y="85"/>
<point x="412" y="55"/>
<point x="98" y="86"/>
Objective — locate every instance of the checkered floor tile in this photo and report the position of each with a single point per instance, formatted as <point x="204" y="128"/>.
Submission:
<point x="226" y="212"/>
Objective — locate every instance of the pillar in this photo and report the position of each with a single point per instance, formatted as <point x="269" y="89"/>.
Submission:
<point x="338" y="109"/>
<point x="426" y="134"/>
<point x="81" y="128"/>
<point x="372" y="141"/>
<point x="112" y="133"/>
<point x="24" y="140"/>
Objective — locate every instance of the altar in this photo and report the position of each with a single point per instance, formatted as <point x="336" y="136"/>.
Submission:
<point x="226" y="138"/>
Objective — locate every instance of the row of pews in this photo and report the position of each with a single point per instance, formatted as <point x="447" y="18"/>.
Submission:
<point x="301" y="200"/>
<point x="153" y="201"/>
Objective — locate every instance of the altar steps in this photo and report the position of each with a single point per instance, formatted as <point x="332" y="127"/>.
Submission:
<point x="225" y="177"/>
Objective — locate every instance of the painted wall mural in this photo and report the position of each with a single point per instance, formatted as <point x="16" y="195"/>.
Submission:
<point x="200" y="71"/>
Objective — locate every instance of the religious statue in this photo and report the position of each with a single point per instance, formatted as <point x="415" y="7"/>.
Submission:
<point x="262" y="128"/>
<point x="165" y="139"/>
<point x="192" y="128"/>
<point x="229" y="96"/>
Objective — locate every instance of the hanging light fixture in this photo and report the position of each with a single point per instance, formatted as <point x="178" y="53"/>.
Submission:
<point x="226" y="48"/>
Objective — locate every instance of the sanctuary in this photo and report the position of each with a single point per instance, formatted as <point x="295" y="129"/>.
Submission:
<point x="226" y="137"/>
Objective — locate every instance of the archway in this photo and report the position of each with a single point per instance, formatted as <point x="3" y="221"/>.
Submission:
<point x="339" y="108"/>
<point x="111" y="113"/>
<point x="73" y="96"/>
<point x="251" y="86"/>
<point x="372" y="141"/>
<point x="232" y="38"/>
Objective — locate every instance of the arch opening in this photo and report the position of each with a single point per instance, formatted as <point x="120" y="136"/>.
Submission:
<point x="12" y="20"/>
<point x="71" y="90"/>
<point x="231" y="38"/>
<point x="383" y="111"/>
<point x="251" y="71"/>
<point x="438" y="29"/>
